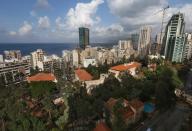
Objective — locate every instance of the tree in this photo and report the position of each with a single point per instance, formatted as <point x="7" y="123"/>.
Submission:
<point x="41" y="89"/>
<point x="118" y="123"/>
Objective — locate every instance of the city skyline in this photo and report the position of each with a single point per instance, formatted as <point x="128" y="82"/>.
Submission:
<point x="43" y="21"/>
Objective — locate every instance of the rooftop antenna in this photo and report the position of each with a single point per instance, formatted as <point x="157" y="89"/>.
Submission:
<point x="162" y="26"/>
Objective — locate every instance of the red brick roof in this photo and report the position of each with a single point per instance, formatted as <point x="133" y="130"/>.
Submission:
<point x="42" y="77"/>
<point x="125" y="67"/>
<point x="102" y="127"/>
<point x="83" y="75"/>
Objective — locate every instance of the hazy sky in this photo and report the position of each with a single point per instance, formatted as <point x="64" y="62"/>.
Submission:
<point x="58" y="20"/>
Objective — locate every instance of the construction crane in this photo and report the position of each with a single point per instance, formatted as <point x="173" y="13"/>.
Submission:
<point x="162" y="26"/>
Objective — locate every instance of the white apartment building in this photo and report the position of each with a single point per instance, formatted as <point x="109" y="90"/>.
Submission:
<point x="67" y="55"/>
<point x="125" y="44"/>
<point x="187" y="54"/>
<point x="37" y="58"/>
<point x="1" y="58"/>
<point x="75" y="57"/>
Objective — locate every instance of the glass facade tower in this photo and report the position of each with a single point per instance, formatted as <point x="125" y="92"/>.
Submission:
<point x="83" y="37"/>
<point x="174" y="39"/>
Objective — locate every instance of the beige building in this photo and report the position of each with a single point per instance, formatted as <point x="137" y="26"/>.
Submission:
<point x="144" y="41"/>
<point x="187" y="53"/>
<point x="76" y="57"/>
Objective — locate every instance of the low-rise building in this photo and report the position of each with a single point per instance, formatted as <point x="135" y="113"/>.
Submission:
<point x="89" y="61"/>
<point x="90" y="85"/>
<point x="131" y="111"/>
<point x="125" y="68"/>
<point x="42" y="77"/>
<point x="14" y="72"/>
<point x="13" y="54"/>
<point x="82" y="75"/>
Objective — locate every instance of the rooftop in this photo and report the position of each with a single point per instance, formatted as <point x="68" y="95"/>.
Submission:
<point x="83" y="75"/>
<point x="136" y="104"/>
<point x="42" y="77"/>
<point x="126" y="111"/>
<point x="125" y="67"/>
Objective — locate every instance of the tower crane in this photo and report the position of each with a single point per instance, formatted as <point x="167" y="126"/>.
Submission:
<point x="162" y="26"/>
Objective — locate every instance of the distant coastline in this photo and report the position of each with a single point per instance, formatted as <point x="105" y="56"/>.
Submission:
<point x="49" y="48"/>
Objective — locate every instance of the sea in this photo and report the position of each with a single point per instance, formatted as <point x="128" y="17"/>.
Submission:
<point x="49" y="48"/>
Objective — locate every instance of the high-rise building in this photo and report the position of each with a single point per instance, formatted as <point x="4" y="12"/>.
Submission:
<point x="83" y="37"/>
<point x="144" y="41"/>
<point x="135" y="40"/>
<point x="174" y="39"/>
<point x="37" y="58"/>
<point x="187" y="54"/>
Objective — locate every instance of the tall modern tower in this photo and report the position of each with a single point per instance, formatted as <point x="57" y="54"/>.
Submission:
<point x="144" y="41"/>
<point x="83" y="37"/>
<point x="174" y="39"/>
<point x="135" y="40"/>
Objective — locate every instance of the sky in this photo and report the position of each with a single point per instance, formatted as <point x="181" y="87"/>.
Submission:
<point x="48" y="21"/>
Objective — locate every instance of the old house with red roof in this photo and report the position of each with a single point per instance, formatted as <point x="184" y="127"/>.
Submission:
<point x="125" y="68"/>
<point x="131" y="111"/>
<point x="82" y="75"/>
<point x="42" y="77"/>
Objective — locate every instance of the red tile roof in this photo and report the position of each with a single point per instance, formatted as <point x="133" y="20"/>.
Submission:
<point x="136" y="104"/>
<point x="125" y="67"/>
<point x="83" y="75"/>
<point x="126" y="111"/>
<point x="102" y="127"/>
<point x="42" y="77"/>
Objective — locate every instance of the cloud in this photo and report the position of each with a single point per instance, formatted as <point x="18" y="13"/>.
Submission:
<point x="133" y="14"/>
<point x="12" y="33"/>
<point x="42" y="4"/>
<point x="59" y="23"/>
<point x="44" y="22"/>
<point x="25" y="29"/>
<point x="84" y="14"/>
<point x="130" y="8"/>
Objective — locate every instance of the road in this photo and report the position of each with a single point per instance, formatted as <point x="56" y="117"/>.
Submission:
<point x="171" y="120"/>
